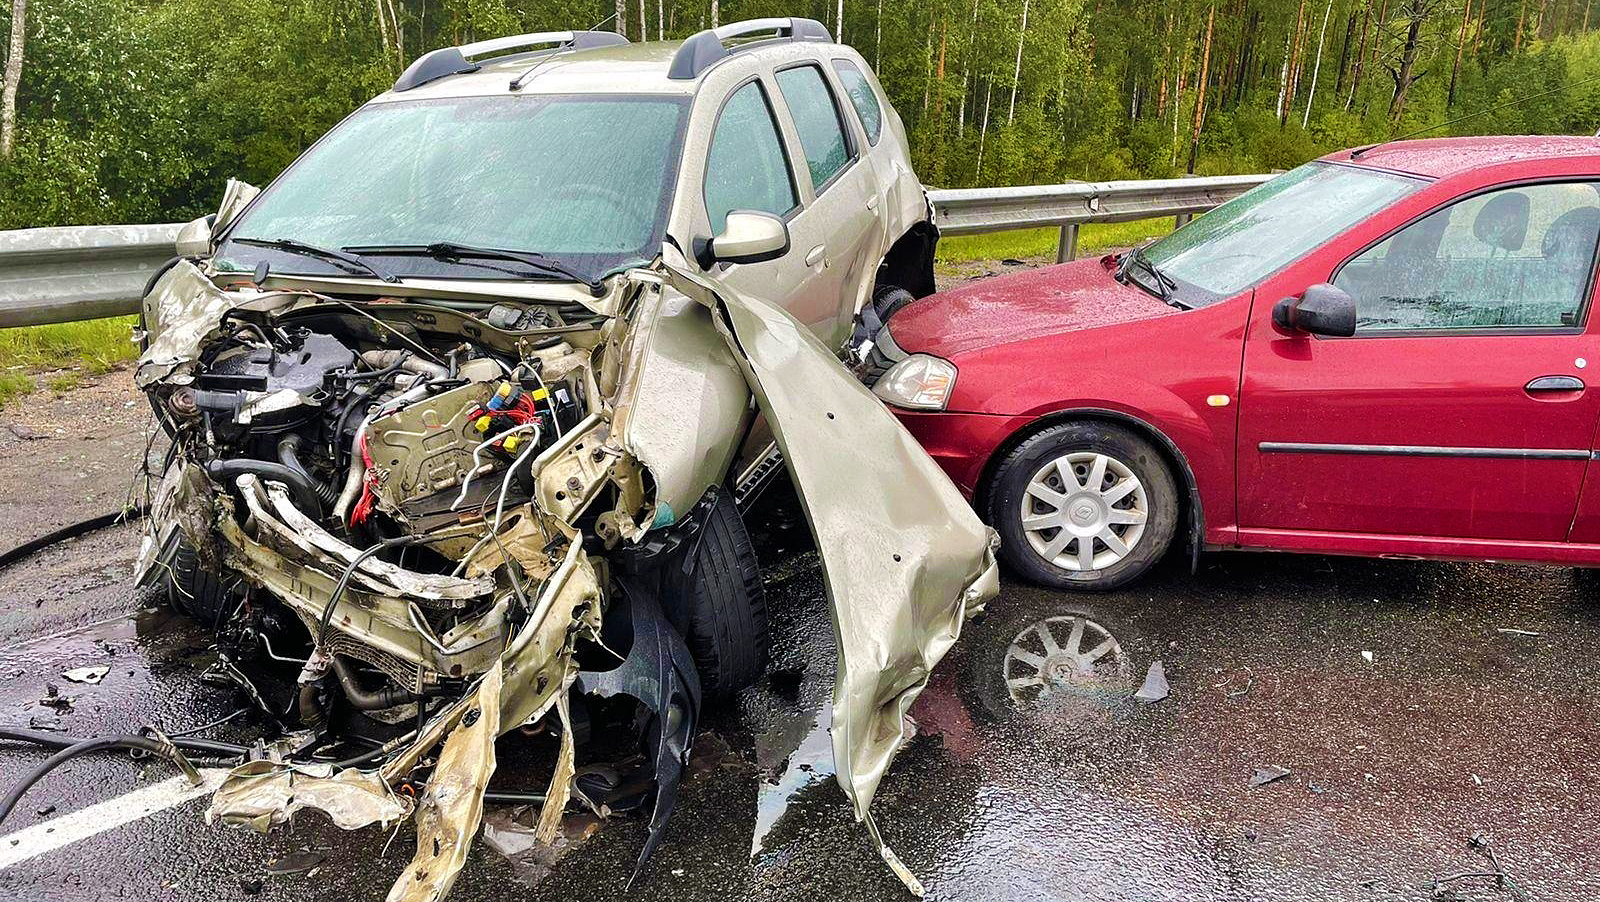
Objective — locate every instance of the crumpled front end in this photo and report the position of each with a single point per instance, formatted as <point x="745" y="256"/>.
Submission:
<point x="430" y="512"/>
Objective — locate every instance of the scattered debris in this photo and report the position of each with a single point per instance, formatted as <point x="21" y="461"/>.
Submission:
<point x="1514" y="631"/>
<point x="1268" y="774"/>
<point x="1155" y="686"/>
<point x="54" y="699"/>
<point x="250" y="886"/>
<point x="1367" y="656"/>
<point x="45" y="811"/>
<point x="1477" y="780"/>
<point x="295" y="863"/>
<point x="89" y="675"/>
<point x="24" y="432"/>
<point x="1315" y="788"/>
<point x="1480" y="843"/>
<point x="45" y="722"/>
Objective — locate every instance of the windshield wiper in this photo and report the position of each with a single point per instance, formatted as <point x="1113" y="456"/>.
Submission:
<point x="1164" y="284"/>
<point x="455" y="252"/>
<point x="352" y="263"/>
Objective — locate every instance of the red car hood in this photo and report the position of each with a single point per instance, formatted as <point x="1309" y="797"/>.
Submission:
<point x="1022" y="305"/>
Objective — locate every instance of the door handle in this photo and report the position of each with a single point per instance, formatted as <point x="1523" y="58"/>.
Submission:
<point x="1554" y="384"/>
<point x="872" y="202"/>
<point x="815" y="255"/>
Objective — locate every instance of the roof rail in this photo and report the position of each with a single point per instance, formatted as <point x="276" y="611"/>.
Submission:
<point x="705" y="48"/>
<point x="447" y="61"/>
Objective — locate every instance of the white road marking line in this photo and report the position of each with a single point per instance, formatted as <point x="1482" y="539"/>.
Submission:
<point x="48" y="836"/>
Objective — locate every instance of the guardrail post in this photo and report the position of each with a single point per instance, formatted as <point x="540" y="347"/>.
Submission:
<point x="1067" y="243"/>
<point x="1181" y="220"/>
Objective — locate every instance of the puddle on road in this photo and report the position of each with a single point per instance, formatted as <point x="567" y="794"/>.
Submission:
<point x="810" y="761"/>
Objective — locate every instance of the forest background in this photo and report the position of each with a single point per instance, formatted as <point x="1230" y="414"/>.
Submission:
<point x="138" y="110"/>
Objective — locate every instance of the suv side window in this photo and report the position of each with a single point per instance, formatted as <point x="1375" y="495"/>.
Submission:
<point x="859" y="90"/>
<point x="1516" y="257"/>
<point x="816" y="118"/>
<point x="746" y="168"/>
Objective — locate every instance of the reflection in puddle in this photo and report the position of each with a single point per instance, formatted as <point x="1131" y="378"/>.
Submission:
<point x="810" y="762"/>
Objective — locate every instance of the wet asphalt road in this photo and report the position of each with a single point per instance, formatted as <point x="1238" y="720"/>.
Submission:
<point x="1452" y="728"/>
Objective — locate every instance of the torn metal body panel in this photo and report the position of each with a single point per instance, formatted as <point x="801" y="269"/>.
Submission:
<point x="904" y="561"/>
<point x="443" y="512"/>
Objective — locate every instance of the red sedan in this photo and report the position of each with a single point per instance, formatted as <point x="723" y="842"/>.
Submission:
<point x="1383" y="352"/>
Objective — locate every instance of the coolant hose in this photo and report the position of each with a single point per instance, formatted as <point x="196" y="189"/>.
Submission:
<point x="363" y="699"/>
<point x="299" y="484"/>
<point x="289" y="455"/>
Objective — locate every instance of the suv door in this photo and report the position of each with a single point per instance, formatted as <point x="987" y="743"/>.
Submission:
<point x="1460" y="408"/>
<point x="834" y="234"/>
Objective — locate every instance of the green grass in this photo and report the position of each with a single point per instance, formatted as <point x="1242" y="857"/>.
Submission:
<point x="14" y="384"/>
<point x="76" y="349"/>
<point x="1024" y="243"/>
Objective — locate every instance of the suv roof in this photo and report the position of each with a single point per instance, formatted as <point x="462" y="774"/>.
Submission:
<point x="584" y="62"/>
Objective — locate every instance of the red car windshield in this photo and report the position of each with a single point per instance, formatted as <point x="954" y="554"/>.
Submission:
<point x="1263" y="230"/>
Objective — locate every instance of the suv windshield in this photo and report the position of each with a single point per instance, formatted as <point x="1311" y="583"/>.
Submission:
<point x="1263" y="230"/>
<point x="583" y="180"/>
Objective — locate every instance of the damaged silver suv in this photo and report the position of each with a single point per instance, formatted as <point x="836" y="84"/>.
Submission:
<point x="461" y="403"/>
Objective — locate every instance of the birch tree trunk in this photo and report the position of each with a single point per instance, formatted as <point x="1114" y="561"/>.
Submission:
<point x="1016" y="72"/>
<point x="13" y="78"/>
<point x="838" y="23"/>
<point x="1200" y="89"/>
<point x="661" y="20"/>
<point x="1311" y="92"/>
<point x="983" y="131"/>
<point x="966" y="64"/>
<point x="714" y="13"/>
<point x="621" y="16"/>
<point x="877" y="50"/>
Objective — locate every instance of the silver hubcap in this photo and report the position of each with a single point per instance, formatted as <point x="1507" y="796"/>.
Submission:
<point x="1084" y="511"/>
<point x="1070" y="655"/>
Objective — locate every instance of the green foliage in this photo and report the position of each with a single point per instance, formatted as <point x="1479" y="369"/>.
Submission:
<point x="139" y="110"/>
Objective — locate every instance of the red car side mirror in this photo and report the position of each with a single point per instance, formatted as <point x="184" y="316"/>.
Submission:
<point x="1322" y="310"/>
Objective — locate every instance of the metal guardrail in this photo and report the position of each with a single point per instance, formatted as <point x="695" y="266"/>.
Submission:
<point x="73" y="273"/>
<point x="971" y="211"/>
<point x="82" y="272"/>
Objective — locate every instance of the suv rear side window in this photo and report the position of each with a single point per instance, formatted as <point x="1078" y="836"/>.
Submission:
<point x="746" y="168"/>
<point x="859" y="90"/>
<point x="1516" y="257"/>
<point x="816" y="118"/>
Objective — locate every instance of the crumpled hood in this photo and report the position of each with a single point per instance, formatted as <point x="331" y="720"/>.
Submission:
<point x="1018" y="306"/>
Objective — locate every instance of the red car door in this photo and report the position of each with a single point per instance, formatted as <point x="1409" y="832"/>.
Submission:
<point x="1465" y="404"/>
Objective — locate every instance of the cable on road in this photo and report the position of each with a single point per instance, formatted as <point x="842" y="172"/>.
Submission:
<point x="169" y="747"/>
<point x="83" y="527"/>
<point x="69" y="747"/>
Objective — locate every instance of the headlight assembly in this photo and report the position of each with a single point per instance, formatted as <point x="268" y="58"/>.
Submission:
<point x="919" y="382"/>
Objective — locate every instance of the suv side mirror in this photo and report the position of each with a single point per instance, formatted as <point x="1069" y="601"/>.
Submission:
<point x="750" y="237"/>
<point x="1322" y="310"/>
<point x="194" y="239"/>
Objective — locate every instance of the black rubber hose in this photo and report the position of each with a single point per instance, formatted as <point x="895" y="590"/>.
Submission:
<point x="32" y="546"/>
<point x="300" y="485"/>
<point x="289" y="455"/>
<point x="363" y="699"/>
<point x="70" y="748"/>
<point x="209" y="747"/>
